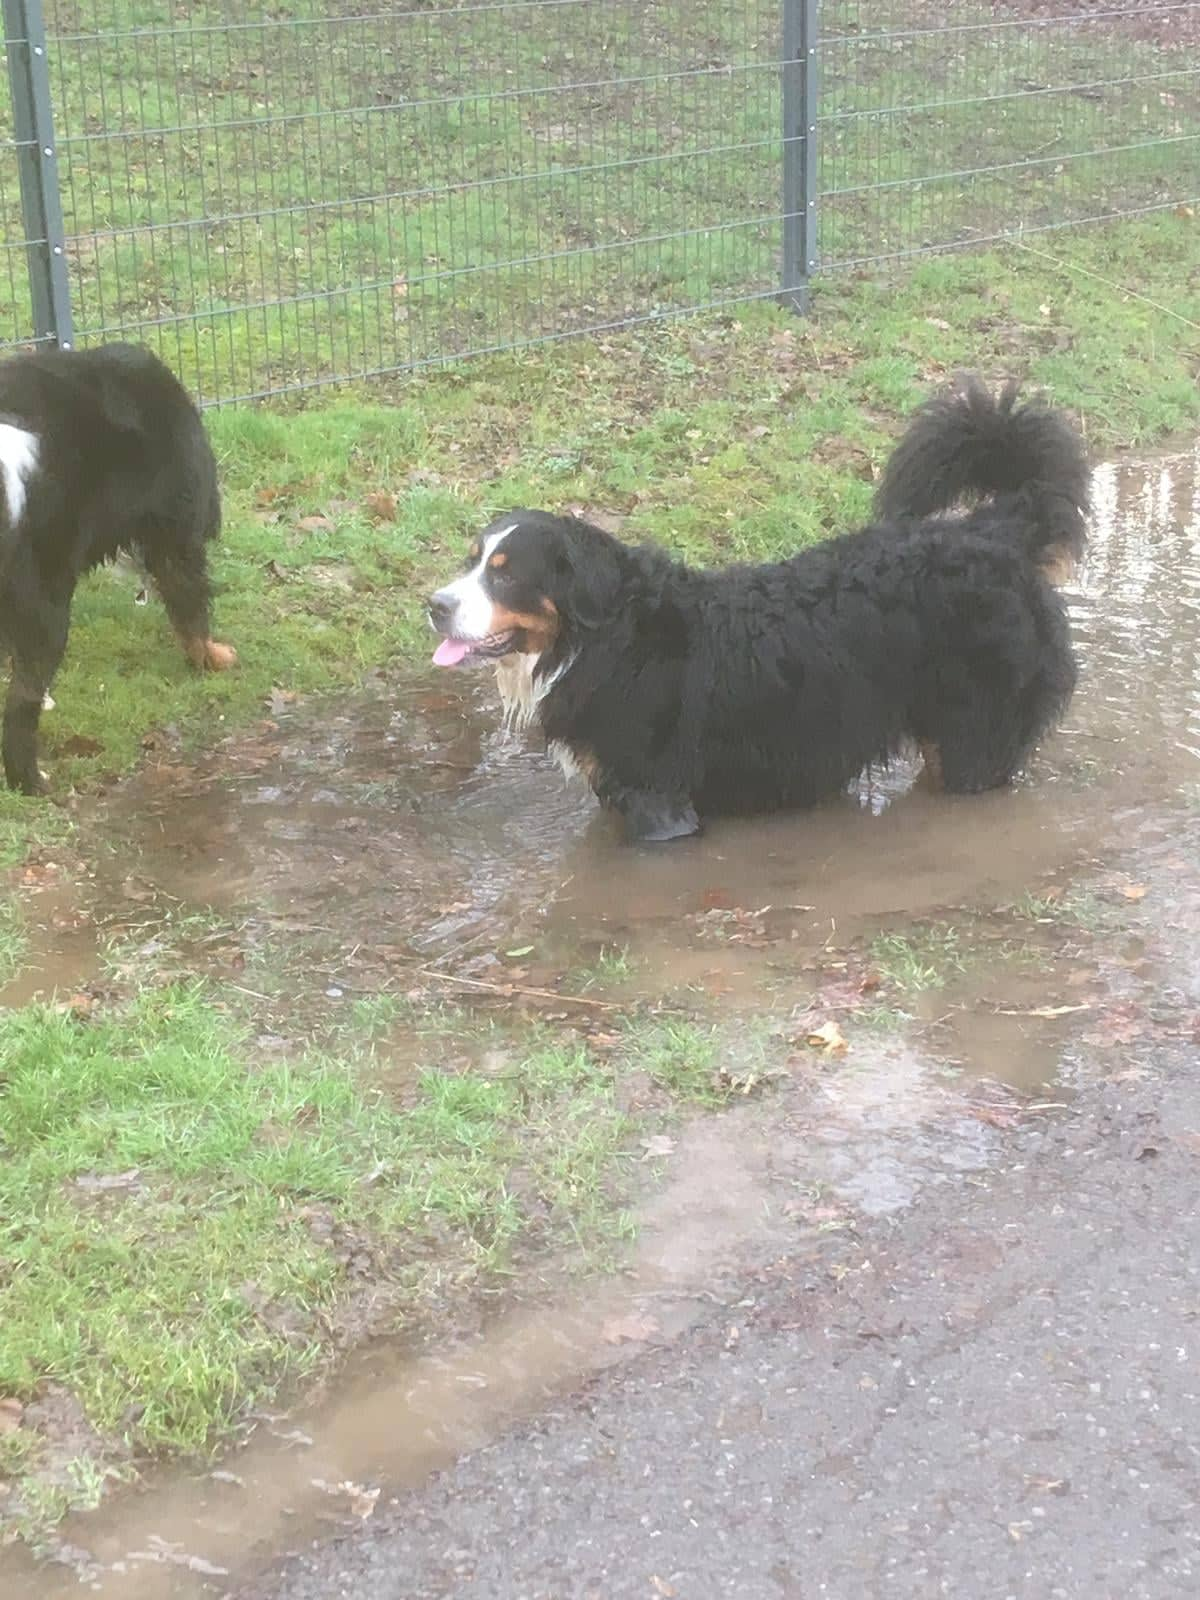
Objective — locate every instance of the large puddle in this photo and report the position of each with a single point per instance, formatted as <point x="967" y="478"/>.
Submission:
<point x="408" y="821"/>
<point x="403" y="829"/>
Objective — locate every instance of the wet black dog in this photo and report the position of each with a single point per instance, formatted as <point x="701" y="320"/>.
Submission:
<point x="680" y="693"/>
<point x="101" y="451"/>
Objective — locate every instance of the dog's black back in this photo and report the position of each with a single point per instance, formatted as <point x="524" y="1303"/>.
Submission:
<point x="101" y="451"/>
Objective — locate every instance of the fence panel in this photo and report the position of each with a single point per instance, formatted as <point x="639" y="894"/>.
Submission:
<point x="956" y="124"/>
<point x="342" y="188"/>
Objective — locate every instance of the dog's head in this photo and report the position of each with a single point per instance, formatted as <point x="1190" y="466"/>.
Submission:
<point x="531" y="583"/>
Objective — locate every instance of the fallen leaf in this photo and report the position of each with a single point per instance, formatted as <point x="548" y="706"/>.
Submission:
<point x="172" y="1555"/>
<point x="1042" y="1011"/>
<point x="632" y="1328"/>
<point x="11" y="1412"/>
<point x="828" y="1037"/>
<point x="35" y="873"/>
<point x="716" y="900"/>
<point x="661" y="1586"/>
<point x="938" y="322"/>
<point x="315" y="525"/>
<point x="658" y="1144"/>
<point x="525" y="950"/>
<point x="1134" y="891"/>
<point x="100" y="1181"/>
<point x="362" y="1500"/>
<point x="381" y="506"/>
<point x="79" y="744"/>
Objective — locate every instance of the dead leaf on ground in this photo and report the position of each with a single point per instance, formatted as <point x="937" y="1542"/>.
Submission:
<point x="1042" y="1011"/>
<point x="99" y="1182"/>
<point x="381" y="506"/>
<point x="661" y="1586"/>
<point x="658" y="1144"/>
<point x="1134" y="891"/>
<point x="362" y="1499"/>
<point x="79" y="744"/>
<point x="633" y="1328"/>
<point x="11" y="1412"/>
<point x="46" y="872"/>
<point x="829" y="1038"/>
<point x="315" y="525"/>
<point x="174" y="1556"/>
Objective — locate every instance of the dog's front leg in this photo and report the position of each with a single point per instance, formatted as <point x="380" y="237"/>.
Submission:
<point x="652" y="818"/>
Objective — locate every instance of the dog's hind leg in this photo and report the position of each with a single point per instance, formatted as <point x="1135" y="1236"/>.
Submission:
<point x="181" y="578"/>
<point x="37" y="647"/>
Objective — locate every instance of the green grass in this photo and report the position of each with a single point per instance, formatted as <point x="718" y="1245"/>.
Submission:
<point x="923" y="958"/>
<point x="177" y="1217"/>
<point x="13" y="940"/>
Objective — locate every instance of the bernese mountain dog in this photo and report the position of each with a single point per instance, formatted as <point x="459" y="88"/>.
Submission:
<point x="683" y="694"/>
<point x="101" y="452"/>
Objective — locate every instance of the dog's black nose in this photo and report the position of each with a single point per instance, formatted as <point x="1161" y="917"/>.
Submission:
<point x="440" y="612"/>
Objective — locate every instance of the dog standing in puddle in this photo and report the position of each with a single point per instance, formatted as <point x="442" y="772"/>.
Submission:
<point x="681" y="694"/>
<point x="101" y="452"/>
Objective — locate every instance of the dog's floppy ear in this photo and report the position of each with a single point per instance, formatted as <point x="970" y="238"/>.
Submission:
<point x="591" y="569"/>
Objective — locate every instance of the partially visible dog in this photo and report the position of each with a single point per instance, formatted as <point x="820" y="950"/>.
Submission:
<point x="101" y="452"/>
<point x="680" y="694"/>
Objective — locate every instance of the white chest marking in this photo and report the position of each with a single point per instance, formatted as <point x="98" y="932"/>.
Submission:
<point x="18" y="458"/>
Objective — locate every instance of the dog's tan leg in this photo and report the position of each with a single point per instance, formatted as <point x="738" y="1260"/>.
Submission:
<point x="209" y="655"/>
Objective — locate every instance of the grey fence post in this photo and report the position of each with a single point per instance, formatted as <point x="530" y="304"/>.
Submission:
<point x="799" y="68"/>
<point x="37" y="163"/>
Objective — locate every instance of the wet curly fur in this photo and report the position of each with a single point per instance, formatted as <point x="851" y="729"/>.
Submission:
<point x="683" y="694"/>
<point x="101" y="452"/>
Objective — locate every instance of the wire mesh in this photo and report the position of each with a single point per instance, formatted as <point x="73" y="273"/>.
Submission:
<point x="336" y="189"/>
<point x="952" y="125"/>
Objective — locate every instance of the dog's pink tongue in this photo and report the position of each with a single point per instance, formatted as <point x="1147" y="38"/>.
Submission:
<point x="449" y="653"/>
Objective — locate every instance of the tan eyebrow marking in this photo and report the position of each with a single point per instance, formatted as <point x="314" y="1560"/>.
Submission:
<point x="498" y="559"/>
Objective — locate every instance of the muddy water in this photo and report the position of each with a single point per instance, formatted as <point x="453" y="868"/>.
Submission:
<point x="406" y="819"/>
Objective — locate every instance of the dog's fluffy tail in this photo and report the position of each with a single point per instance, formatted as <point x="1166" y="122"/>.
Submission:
<point x="968" y="445"/>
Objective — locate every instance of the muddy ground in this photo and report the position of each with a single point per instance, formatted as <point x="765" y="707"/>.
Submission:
<point x="902" y="1315"/>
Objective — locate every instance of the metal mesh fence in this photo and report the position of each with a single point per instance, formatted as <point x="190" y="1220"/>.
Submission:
<point x="340" y="189"/>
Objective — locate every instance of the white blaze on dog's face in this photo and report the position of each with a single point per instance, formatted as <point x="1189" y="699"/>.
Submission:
<point x="499" y="606"/>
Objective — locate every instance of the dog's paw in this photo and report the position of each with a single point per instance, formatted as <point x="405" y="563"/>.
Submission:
<point x="218" y="657"/>
<point x="653" y="819"/>
<point x="33" y="785"/>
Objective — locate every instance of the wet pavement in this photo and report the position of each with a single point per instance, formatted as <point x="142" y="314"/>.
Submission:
<point x="856" y="1349"/>
<point x="996" y="1398"/>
